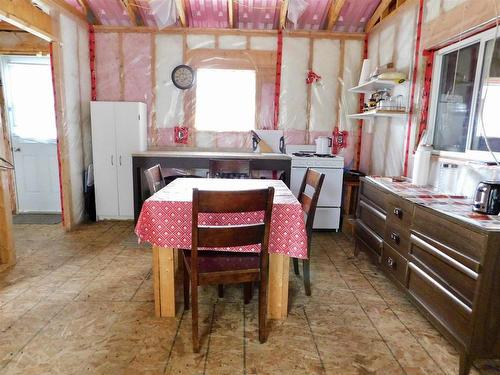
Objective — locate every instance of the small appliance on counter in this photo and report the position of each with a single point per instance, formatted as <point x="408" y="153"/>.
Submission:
<point x="323" y="145"/>
<point x="487" y="198"/>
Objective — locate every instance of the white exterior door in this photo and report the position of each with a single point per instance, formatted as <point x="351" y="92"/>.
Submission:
<point x="105" y="159"/>
<point x="30" y="107"/>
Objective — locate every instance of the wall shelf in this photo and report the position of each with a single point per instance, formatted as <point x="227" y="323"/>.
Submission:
<point x="373" y="85"/>
<point x="378" y="113"/>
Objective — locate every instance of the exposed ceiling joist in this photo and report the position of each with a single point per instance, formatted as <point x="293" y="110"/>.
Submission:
<point x="334" y="13"/>
<point x="5" y="26"/>
<point x="283" y="13"/>
<point x="131" y="8"/>
<point x="182" y="12"/>
<point x="69" y="8"/>
<point x="89" y="12"/>
<point x="26" y="16"/>
<point x="230" y="14"/>
<point x="377" y="14"/>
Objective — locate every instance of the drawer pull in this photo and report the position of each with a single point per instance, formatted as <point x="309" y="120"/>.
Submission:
<point x="372" y="210"/>
<point x="441" y="288"/>
<point x="442" y="256"/>
<point x="398" y="212"/>
<point x="391" y="263"/>
<point x="395" y="237"/>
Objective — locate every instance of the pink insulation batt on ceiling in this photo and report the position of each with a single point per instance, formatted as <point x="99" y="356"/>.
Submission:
<point x="75" y="4"/>
<point x="110" y="12"/>
<point x="354" y="15"/>
<point x="207" y="13"/>
<point x="157" y="13"/>
<point x="315" y="15"/>
<point x="257" y="14"/>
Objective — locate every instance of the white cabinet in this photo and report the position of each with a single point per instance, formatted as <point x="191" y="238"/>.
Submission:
<point x="118" y="130"/>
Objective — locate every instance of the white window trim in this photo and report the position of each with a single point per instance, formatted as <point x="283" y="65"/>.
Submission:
<point x="469" y="154"/>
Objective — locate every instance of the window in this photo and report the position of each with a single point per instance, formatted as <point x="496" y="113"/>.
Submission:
<point x="225" y="100"/>
<point x="466" y="96"/>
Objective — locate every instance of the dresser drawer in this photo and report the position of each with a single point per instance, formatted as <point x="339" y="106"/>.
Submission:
<point x="373" y="194"/>
<point x="368" y="237"/>
<point x="440" y="304"/>
<point x="458" y="278"/>
<point x="394" y="264"/>
<point x="399" y="211"/>
<point x="398" y="237"/>
<point x="371" y="216"/>
<point x="459" y="238"/>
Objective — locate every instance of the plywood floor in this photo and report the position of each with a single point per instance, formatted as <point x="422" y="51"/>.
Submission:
<point x="82" y="303"/>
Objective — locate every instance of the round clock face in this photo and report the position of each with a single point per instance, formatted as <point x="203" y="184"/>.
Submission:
<point x="183" y="77"/>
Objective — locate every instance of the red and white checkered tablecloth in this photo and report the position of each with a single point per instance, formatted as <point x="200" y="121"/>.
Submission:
<point x="165" y="218"/>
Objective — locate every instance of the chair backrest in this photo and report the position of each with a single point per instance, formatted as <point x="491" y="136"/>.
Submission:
<point x="154" y="177"/>
<point x="309" y="195"/>
<point x="229" y="168"/>
<point x="217" y="202"/>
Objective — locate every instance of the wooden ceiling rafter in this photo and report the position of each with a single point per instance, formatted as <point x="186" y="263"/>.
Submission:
<point x="91" y="16"/>
<point x="181" y="9"/>
<point x="25" y="15"/>
<point x="334" y="14"/>
<point x="230" y="13"/>
<point x="283" y="14"/>
<point x="67" y="7"/>
<point x="131" y="8"/>
<point x="385" y="8"/>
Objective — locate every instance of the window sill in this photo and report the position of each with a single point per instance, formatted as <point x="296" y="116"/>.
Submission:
<point x="481" y="158"/>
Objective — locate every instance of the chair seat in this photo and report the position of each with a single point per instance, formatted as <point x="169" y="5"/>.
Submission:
<point x="221" y="261"/>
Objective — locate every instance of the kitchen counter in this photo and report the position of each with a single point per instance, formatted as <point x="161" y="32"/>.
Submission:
<point x="457" y="207"/>
<point x="213" y="155"/>
<point x="193" y="159"/>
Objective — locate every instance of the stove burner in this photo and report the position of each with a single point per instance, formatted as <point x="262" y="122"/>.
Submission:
<point x="303" y="154"/>
<point x="324" y="155"/>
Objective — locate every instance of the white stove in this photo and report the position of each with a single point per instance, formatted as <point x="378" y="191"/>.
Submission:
<point x="330" y="199"/>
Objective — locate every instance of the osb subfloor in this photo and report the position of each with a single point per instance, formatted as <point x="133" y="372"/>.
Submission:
<point x="82" y="303"/>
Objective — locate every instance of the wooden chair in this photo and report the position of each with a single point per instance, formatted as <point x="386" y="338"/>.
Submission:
<point x="204" y="267"/>
<point x="155" y="179"/>
<point x="229" y="168"/>
<point x="308" y="197"/>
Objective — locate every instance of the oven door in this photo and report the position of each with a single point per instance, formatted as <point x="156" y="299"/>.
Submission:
<point x="331" y="192"/>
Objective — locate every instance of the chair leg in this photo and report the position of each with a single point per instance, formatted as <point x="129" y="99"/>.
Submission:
<point x="263" y="311"/>
<point x="356" y="249"/>
<point x="194" y="316"/>
<point x="296" y="266"/>
<point x="307" y="276"/>
<point x="220" y="290"/>
<point x="247" y="292"/>
<point x="185" y="284"/>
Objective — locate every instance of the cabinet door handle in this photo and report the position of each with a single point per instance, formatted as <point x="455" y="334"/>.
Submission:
<point x="120" y="159"/>
<point x="398" y="212"/>
<point x="395" y="237"/>
<point x="112" y="160"/>
<point x="391" y="263"/>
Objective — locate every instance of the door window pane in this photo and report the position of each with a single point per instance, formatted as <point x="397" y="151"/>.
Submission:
<point x="488" y="108"/>
<point x="454" y="98"/>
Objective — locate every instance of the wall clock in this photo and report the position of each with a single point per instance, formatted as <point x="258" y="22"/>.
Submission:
<point x="183" y="77"/>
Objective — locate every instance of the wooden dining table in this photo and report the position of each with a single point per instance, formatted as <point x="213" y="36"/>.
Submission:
<point x="165" y="223"/>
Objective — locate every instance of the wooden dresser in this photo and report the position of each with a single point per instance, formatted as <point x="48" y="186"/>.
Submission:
<point x="447" y="260"/>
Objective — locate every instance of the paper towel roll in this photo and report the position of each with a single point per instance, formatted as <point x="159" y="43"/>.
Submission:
<point x="421" y="165"/>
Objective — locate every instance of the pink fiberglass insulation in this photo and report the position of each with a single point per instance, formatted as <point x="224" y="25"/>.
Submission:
<point x="137" y="69"/>
<point x="314" y="16"/>
<point x="257" y="14"/>
<point x="157" y="13"/>
<point x="75" y="4"/>
<point x="110" y="12"/>
<point x="207" y="13"/>
<point x="354" y="15"/>
<point x="107" y="63"/>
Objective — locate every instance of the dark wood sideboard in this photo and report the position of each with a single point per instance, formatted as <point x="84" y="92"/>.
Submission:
<point x="449" y="267"/>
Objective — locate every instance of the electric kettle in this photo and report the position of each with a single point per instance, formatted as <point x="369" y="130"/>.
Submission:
<point x="323" y="145"/>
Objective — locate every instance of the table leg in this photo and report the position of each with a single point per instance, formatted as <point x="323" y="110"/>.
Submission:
<point x="278" y="286"/>
<point x="164" y="267"/>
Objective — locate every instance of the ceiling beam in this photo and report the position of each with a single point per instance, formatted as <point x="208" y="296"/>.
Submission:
<point x="5" y="26"/>
<point x="283" y="13"/>
<point x="131" y="8"/>
<point x="334" y="13"/>
<point x="182" y="12"/>
<point x="69" y="8"/>
<point x="230" y="14"/>
<point x="377" y="14"/>
<point x="87" y="9"/>
<point x="24" y="15"/>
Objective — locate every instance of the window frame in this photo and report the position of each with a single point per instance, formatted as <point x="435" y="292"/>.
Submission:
<point x="469" y="154"/>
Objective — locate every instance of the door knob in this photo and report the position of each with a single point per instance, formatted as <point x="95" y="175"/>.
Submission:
<point x="17" y="149"/>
